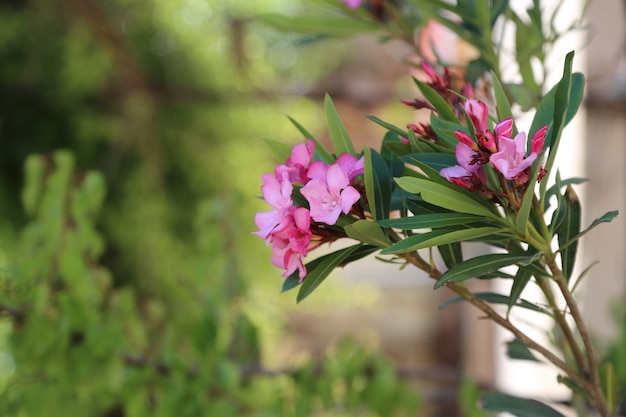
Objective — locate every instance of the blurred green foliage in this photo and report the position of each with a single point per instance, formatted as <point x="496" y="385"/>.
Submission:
<point x="135" y="301"/>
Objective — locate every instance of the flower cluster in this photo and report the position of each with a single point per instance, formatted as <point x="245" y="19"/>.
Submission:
<point x="505" y="153"/>
<point x="294" y="230"/>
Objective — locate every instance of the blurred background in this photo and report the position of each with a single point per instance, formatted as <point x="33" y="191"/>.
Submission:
<point x="169" y="101"/>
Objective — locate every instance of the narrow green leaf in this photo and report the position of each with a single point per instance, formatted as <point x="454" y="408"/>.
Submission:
<point x="436" y="161"/>
<point x="318" y="25"/>
<point x="320" y="149"/>
<point x="519" y="407"/>
<point x="516" y="349"/>
<point x="503" y="106"/>
<point x="494" y="298"/>
<point x="280" y="150"/>
<point x="439" y="237"/>
<point x="569" y="228"/>
<point x="395" y="129"/>
<point x="554" y="189"/>
<point x="338" y="134"/>
<point x="440" y="105"/>
<point x="378" y="185"/>
<point x="561" y="105"/>
<point x="451" y="253"/>
<point x="519" y="283"/>
<point x="443" y="196"/>
<point x="431" y="221"/>
<point x="360" y="252"/>
<point x="367" y="232"/>
<point x="606" y="218"/>
<point x="316" y="276"/>
<point x="481" y="265"/>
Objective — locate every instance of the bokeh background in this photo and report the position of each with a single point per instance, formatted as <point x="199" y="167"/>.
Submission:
<point x="169" y="101"/>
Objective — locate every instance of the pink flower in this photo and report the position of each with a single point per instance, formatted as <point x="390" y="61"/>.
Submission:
<point x="353" y="4"/>
<point x="291" y="244"/>
<point x="298" y="163"/>
<point x="278" y="195"/>
<point x="350" y="165"/>
<point x="330" y="195"/>
<point x="511" y="158"/>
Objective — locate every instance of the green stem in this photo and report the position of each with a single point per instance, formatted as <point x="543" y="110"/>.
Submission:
<point x="597" y="395"/>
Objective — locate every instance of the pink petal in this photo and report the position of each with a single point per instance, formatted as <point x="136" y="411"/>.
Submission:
<point x="336" y="178"/>
<point x="349" y="196"/>
<point x="504" y="128"/>
<point x="465" y="156"/>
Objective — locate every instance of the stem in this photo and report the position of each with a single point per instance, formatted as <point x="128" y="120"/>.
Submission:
<point x="462" y="291"/>
<point x="597" y="394"/>
<point x="563" y="325"/>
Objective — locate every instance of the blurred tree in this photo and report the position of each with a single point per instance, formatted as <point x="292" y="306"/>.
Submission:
<point x="132" y="302"/>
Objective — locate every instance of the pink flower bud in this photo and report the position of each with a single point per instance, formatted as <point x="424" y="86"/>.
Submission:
<point x="478" y="114"/>
<point x="538" y="140"/>
<point x="504" y="128"/>
<point x="464" y="139"/>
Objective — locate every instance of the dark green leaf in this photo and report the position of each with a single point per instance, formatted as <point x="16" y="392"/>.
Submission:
<point x="606" y="218"/>
<point x="430" y="221"/>
<point x="360" y="252"/>
<point x="481" y="265"/>
<point x="519" y="407"/>
<point x="494" y="298"/>
<point x="451" y="254"/>
<point x="569" y="228"/>
<point x="338" y="134"/>
<point x="439" y="237"/>
<point x="516" y="349"/>
<point x="378" y="185"/>
<point x="316" y="276"/>
<point x="519" y="283"/>
<point x="436" y="161"/>
<point x="439" y="104"/>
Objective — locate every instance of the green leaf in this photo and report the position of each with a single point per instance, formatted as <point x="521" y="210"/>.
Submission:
<point x="430" y="221"/>
<point x="318" y="25"/>
<point x="395" y="129"/>
<point x="360" y="252"/>
<point x="443" y="196"/>
<point x="569" y="228"/>
<point x="436" y="161"/>
<point x="367" y="232"/>
<point x="519" y="407"/>
<point x="502" y="102"/>
<point x="439" y="104"/>
<point x="605" y="218"/>
<point x="451" y="253"/>
<point x="439" y="237"/>
<point x="321" y="271"/>
<point x="554" y="189"/>
<point x="320" y="149"/>
<point x="378" y="185"/>
<point x="494" y="298"/>
<point x="482" y="265"/>
<point x="338" y="134"/>
<point x="516" y="349"/>
<point x="280" y="150"/>
<point x="519" y="283"/>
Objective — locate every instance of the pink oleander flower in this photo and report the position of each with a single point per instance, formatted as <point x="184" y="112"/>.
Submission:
<point x="353" y="4"/>
<point x="298" y="163"/>
<point x="278" y="195"/>
<point x="330" y="194"/>
<point x="291" y="244"/>
<point x="511" y="159"/>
